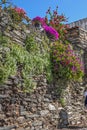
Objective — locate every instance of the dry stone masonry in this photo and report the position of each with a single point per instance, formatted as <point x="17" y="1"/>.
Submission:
<point x="41" y="109"/>
<point x="80" y="23"/>
<point x="77" y="36"/>
<point x="18" y="33"/>
<point x="24" y="111"/>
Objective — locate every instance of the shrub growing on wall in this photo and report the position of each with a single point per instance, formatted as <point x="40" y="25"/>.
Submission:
<point x="25" y="61"/>
<point x="66" y="65"/>
<point x="57" y="20"/>
<point x="17" y="14"/>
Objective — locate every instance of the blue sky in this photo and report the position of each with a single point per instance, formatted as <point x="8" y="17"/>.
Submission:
<point x="72" y="9"/>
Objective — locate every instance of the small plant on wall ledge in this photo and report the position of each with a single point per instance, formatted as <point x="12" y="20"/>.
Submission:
<point x="17" y="14"/>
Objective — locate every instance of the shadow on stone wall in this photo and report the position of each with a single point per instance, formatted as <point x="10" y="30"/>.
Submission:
<point x="63" y="119"/>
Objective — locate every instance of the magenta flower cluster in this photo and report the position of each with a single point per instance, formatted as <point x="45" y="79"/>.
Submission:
<point x="39" y="20"/>
<point x="52" y="31"/>
<point x="47" y="28"/>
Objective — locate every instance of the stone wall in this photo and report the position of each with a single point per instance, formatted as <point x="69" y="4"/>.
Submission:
<point x="78" y="38"/>
<point x="23" y="111"/>
<point x="73" y="103"/>
<point x="80" y="23"/>
<point x="41" y="109"/>
<point x="44" y="108"/>
<point x="18" y="32"/>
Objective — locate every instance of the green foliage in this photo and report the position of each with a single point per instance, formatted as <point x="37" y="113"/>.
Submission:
<point x="62" y="101"/>
<point x="30" y="44"/>
<point x="7" y="63"/>
<point x="28" y="60"/>
<point x="39" y="53"/>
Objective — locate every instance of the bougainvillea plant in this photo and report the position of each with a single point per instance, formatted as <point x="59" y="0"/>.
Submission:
<point x="38" y="20"/>
<point x="57" y="21"/>
<point x="50" y="31"/>
<point x="66" y="64"/>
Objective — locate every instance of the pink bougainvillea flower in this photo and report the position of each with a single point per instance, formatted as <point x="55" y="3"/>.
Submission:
<point x="47" y="28"/>
<point x="52" y="31"/>
<point x="39" y="20"/>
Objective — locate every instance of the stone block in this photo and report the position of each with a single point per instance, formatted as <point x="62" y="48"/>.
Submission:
<point x="37" y="123"/>
<point x="51" y="107"/>
<point x="44" y="112"/>
<point x="32" y="116"/>
<point x="21" y="120"/>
